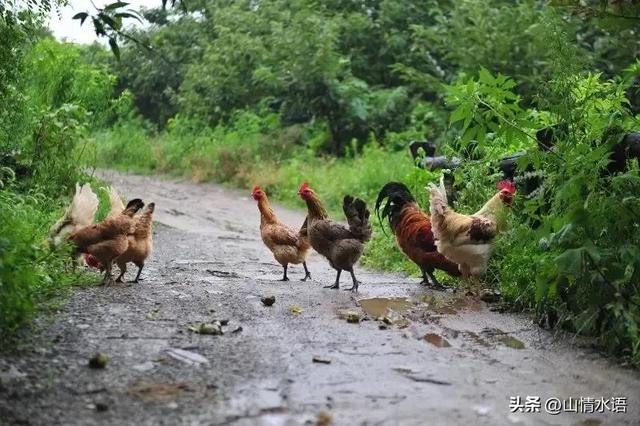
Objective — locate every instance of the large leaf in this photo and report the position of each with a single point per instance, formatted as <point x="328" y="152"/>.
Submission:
<point x="114" y="6"/>
<point x="571" y="262"/>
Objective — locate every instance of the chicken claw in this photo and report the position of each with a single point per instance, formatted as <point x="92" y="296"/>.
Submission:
<point x="307" y="274"/>
<point x="354" y="288"/>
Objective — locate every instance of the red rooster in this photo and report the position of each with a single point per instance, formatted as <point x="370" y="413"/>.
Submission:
<point x="412" y="228"/>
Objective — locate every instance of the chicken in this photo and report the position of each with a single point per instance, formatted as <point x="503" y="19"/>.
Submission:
<point x="116" y="207"/>
<point x="341" y="245"/>
<point x="140" y="243"/>
<point x="286" y="245"/>
<point x="108" y="239"/>
<point x="80" y="213"/>
<point x="468" y="240"/>
<point x="412" y="229"/>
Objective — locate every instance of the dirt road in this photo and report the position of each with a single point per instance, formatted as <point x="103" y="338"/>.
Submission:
<point x="209" y="264"/>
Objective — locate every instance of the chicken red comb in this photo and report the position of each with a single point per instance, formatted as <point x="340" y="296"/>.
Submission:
<point x="506" y="185"/>
<point x="305" y="185"/>
<point x="256" y="188"/>
<point x="92" y="261"/>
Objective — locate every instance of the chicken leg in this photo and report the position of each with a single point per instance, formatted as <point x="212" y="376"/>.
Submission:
<point x="337" y="283"/>
<point x="284" y="277"/>
<point x="123" y="269"/>
<point x="355" y="283"/>
<point x="140" y="266"/>
<point x="307" y="274"/>
<point x="108" y="278"/>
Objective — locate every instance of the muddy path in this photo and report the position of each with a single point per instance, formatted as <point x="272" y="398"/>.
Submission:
<point x="209" y="264"/>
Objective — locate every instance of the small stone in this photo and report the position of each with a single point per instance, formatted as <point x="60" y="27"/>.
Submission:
<point x="268" y="301"/>
<point x="101" y="407"/>
<point x="237" y="330"/>
<point x="99" y="360"/>
<point x="490" y="296"/>
<point x="321" y="360"/>
<point x="214" y="329"/>
<point x="383" y="326"/>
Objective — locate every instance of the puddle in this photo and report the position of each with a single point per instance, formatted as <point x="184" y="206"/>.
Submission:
<point x="437" y="340"/>
<point x="381" y="306"/>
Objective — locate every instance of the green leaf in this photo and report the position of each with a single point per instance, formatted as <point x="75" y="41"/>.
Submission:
<point x="486" y="77"/>
<point x="570" y="263"/>
<point x="114" y="47"/>
<point x="114" y="6"/>
<point x="458" y="114"/>
<point x="128" y="15"/>
<point x="82" y="16"/>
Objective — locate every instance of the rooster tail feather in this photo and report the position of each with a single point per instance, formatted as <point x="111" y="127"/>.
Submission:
<point x="134" y="205"/>
<point x="397" y="195"/>
<point x="357" y="216"/>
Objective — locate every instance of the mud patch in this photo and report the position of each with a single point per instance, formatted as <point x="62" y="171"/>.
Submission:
<point x="161" y="391"/>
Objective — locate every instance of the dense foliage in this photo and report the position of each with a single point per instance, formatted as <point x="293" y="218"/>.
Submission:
<point x="49" y="95"/>
<point x="280" y="91"/>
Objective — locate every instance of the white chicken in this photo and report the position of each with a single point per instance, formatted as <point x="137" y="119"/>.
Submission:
<point x="468" y="240"/>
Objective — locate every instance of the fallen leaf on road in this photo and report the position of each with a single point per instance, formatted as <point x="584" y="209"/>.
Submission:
<point x="214" y="329"/>
<point x="512" y="342"/>
<point x="324" y="419"/>
<point x="353" y="317"/>
<point x="187" y="357"/>
<point x="153" y="314"/>
<point x="436" y="340"/>
<point x="295" y="310"/>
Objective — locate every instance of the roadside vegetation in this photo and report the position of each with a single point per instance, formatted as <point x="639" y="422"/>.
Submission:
<point x="332" y="93"/>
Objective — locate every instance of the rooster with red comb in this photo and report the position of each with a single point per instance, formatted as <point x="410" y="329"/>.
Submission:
<point x="468" y="240"/>
<point x="341" y="245"/>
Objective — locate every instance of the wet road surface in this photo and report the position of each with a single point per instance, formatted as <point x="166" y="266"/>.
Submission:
<point x="416" y="357"/>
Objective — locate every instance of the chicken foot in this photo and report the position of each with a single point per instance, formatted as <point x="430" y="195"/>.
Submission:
<point x="354" y="288"/>
<point x="123" y="269"/>
<point x="140" y="266"/>
<point x="430" y="280"/>
<point x="108" y="278"/>
<point x="337" y="283"/>
<point x="307" y="274"/>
